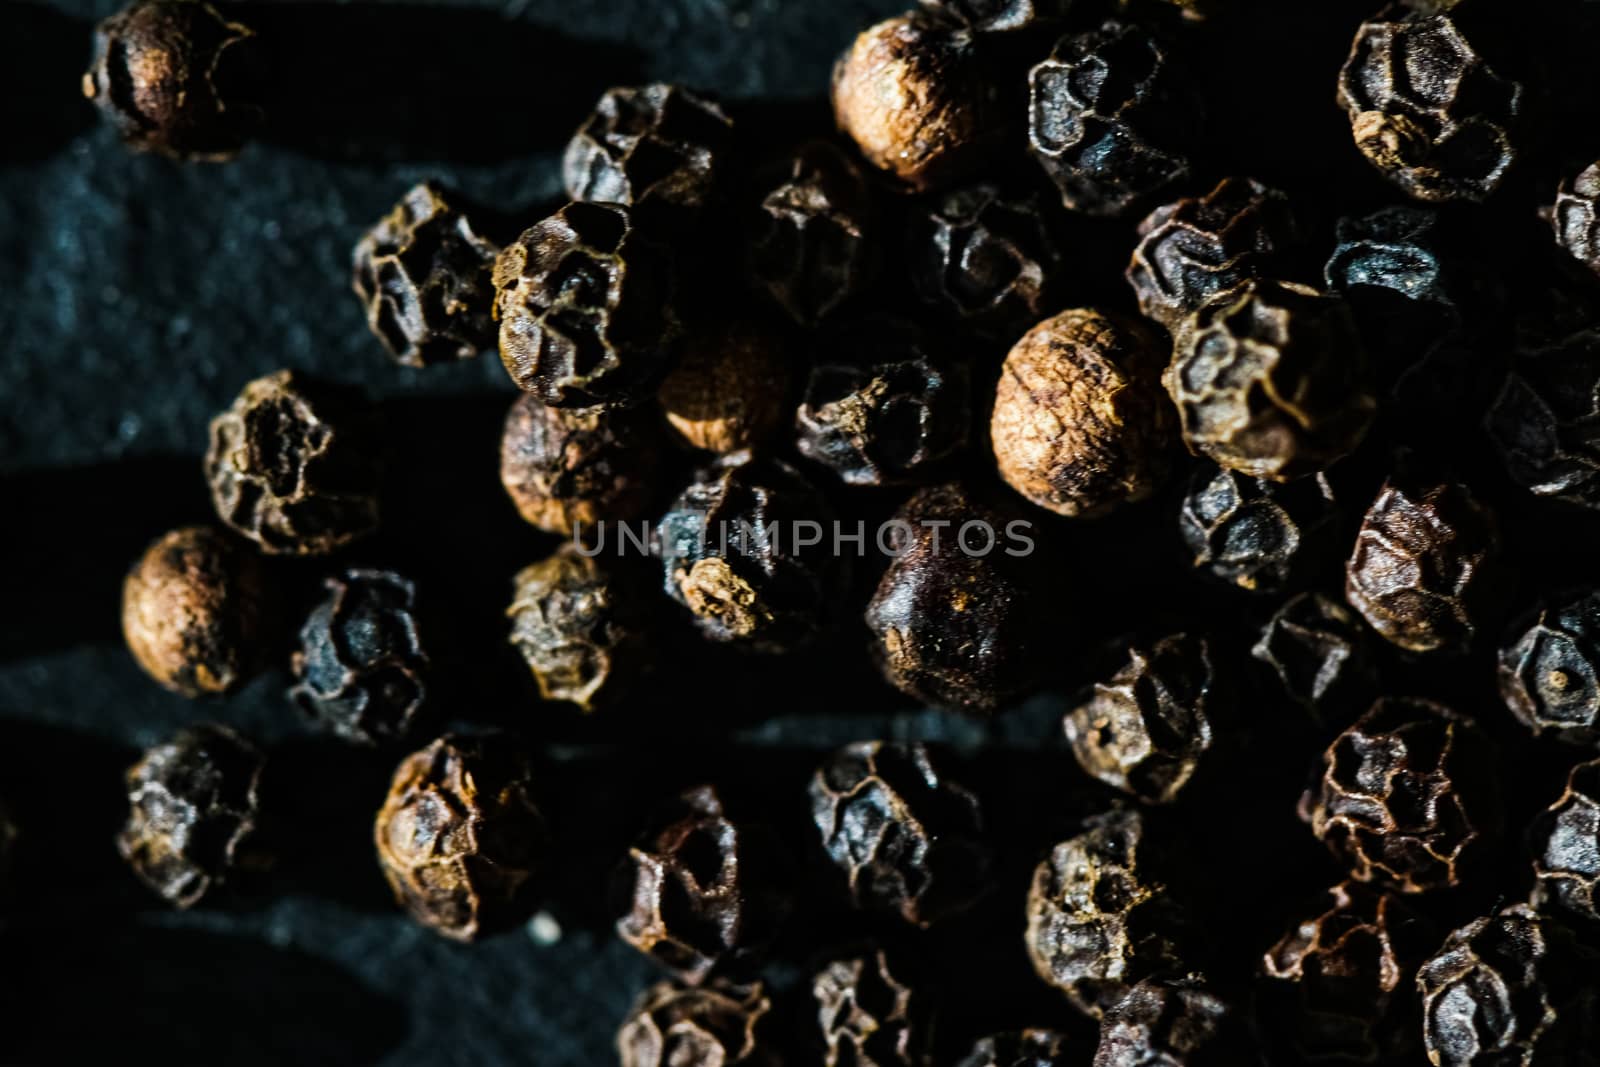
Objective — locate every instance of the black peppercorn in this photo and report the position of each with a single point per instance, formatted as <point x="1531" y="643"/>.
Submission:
<point x="1565" y="841"/>
<point x="998" y="16"/>
<point x="361" y="670"/>
<point x="718" y="1025"/>
<point x="1319" y="654"/>
<point x="1398" y="263"/>
<point x="909" y="840"/>
<point x="1171" y="1024"/>
<point x="424" y="274"/>
<point x="1079" y="423"/>
<point x="1543" y="422"/>
<point x="1550" y="676"/>
<point x="194" y="611"/>
<point x="294" y="465"/>
<point x="1576" y="217"/>
<point x="730" y="389"/>
<point x="459" y="838"/>
<point x="1025" y="1048"/>
<point x="585" y="303"/>
<point x="193" y="807"/>
<point x="1257" y="535"/>
<point x="169" y="75"/>
<point x="869" y="1015"/>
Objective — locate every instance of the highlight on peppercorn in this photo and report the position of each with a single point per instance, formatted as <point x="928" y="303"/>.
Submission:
<point x="976" y="538"/>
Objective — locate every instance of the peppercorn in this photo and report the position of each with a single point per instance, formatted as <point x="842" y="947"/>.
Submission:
<point x="730" y="389"/>
<point x="1576" y="217"/>
<point x="733" y="552"/>
<point x="568" y="471"/>
<point x="194" y="611"/>
<point x="1079" y="423"/>
<point x="1407" y="795"/>
<point x="583" y="631"/>
<point x="912" y="93"/>
<point x="294" y="465"/>
<point x="1565" y="840"/>
<point x="361" y="670"/>
<point x="1319" y="654"/>
<point x="998" y="16"/>
<point x="717" y="1025"/>
<point x="1543" y="420"/>
<point x="1550" y="676"/>
<point x="1149" y="728"/>
<point x="1258" y="535"/>
<point x="956" y="618"/>
<point x="193" y="806"/>
<point x="1423" y="570"/>
<point x="705" y="894"/>
<point x="1110" y="118"/>
<point x="1270" y="380"/>
<point x="1099" y="920"/>
<point x="988" y="259"/>
<point x="1399" y="258"/>
<point x="1170" y="1024"/>
<point x="884" y="405"/>
<point x="585" y="304"/>
<point x="1026" y="1048"/>
<point x="169" y="75"/>
<point x="459" y="838"/>
<point x="1426" y="109"/>
<point x="870" y="1016"/>
<point x="909" y="840"/>
<point x="1192" y="249"/>
<point x="424" y="275"/>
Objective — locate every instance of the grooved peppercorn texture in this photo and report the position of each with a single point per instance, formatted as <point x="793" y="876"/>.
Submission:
<point x="1026" y="1048"/>
<point x="1565" y="840"/>
<point x="1319" y="654"/>
<point x="193" y="806"/>
<point x="1257" y="535"/>
<point x="194" y="611"/>
<point x="1110" y="118"/>
<point x="424" y="274"/>
<point x="1550" y="675"/>
<point x="719" y="1025"/>
<point x="1270" y="380"/>
<point x="585" y="304"/>
<point x="707" y="894"/>
<point x="1192" y="249"/>
<point x="909" y="840"/>
<point x="1079" y="423"/>
<point x="361" y="670"/>
<point x="294" y="465"/>
<point x="1167" y="1024"/>
<point x="1407" y="796"/>
<point x="1422" y="572"/>
<point x="730" y="390"/>
<point x="1576" y="217"/>
<point x="459" y="838"/>
<point x="869" y="1015"/>
<point x="1426" y="110"/>
<point x="1544" y="420"/>
<point x="165" y="73"/>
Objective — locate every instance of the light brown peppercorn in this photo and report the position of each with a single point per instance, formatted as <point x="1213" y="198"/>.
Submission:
<point x="1079" y="424"/>
<point x="730" y="387"/>
<point x="717" y="1025"/>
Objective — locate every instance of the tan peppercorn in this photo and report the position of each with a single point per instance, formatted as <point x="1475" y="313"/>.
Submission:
<point x="730" y="388"/>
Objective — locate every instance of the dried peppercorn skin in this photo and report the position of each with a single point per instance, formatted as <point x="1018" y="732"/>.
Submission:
<point x="731" y="388"/>
<point x="1576" y="217"/>
<point x="717" y="1025"/>
<point x="1257" y="535"/>
<point x="1543" y="421"/>
<point x="908" y="839"/>
<point x="1565" y="841"/>
<point x="459" y="838"/>
<point x="193" y="806"/>
<point x="869" y="1015"/>
<point x="1169" y="1024"/>
<point x="1319" y="653"/>
<point x="1550" y="675"/>
<point x="1025" y="1048"/>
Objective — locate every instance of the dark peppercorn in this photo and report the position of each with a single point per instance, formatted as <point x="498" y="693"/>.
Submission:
<point x="1544" y="420"/>
<point x="763" y="591"/>
<point x="1320" y="655"/>
<point x="167" y="74"/>
<point x="1149" y="728"/>
<point x="1079" y="423"/>
<point x="1270" y="380"/>
<point x="869" y="1015"/>
<point x="706" y="894"/>
<point x="1576" y="217"/>
<point x="654" y="147"/>
<point x="1169" y="1024"/>
<point x="1110" y="118"/>
<point x="730" y="390"/>
<point x="1422" y="572"/>
<point x="1426" y="110"/>
<point x="998" y="16"/>
<point x="1258" y="535"/>
<point x="294" y="465"/>
<point x="909" y="840"/>
<point x="1407" y="795"/>
<point x="424" y="274"/>
<point x="193" y="806"/>
<point x="1398" y="256"/>
<point x="361" y="670"/>
<point x="1191" y="250"/>
<point x="1565" y="841"/>
<point x="585" y="303"/>
<point x="718" y="1025"/>
<point x="1550" y="676"/>
<point x="194" y="611"/>
<point x="1026" y="1048"/>
<point x="459" y="837"/>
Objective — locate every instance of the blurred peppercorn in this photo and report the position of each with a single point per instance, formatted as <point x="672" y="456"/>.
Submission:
<point x="720" y="1025"/>
<point x="1026" y="1048"/>
<point x="1177" y="1023"/>
<point x="1544" y="420"/>
<point x="869" y="1015"/>
<point x="731" y="388"/>
<point x="1320" y="656"/>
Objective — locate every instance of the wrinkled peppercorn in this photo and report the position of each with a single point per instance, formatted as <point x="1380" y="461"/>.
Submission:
<point x="167" y="74"/>
<point x="1319" y="654"/>
<point x="1026" y="1048"/>
<point x="730" y="389"/>
<point x="459" y="838"/>
<point x="1543" y="422"/>
<point x="1550" y="676"/>
<point x="913" y="96"/>
<point x="1148" y="729"/>
<point x="294" y="465"/>
<point x="998" y="16"/>
<point x="909" y="839"/>
<point x="1576" y="217"/>
<point x="585" y="303"/>
<point x="424" y="274"/>
<point x="567" y="471"/>
<point x="1565" y="840"/>
<point x="361" y="670"/>
<point x="193" y="806"/>
<point x="718" y="1025"/>
<point x="1169" y="1024"/>
<point x="1426" y="110"/>
<point x="1422" y="572"/>
<point x="870" y="1016"/>
<point x="706" y="894"/>
<point x="883" y="405"/>
<point x="194" y="611"/>
<point x="1257" y="535"/>
<point x="1407" y="796"/>
<point x="1079" y="423"/>
<point x="1110" y="119"/>
<point x="1270" y="380"/>
<point x="765" y="591"/>
<point x="1192" y="249"/>
<point x="1399" y="253"/>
